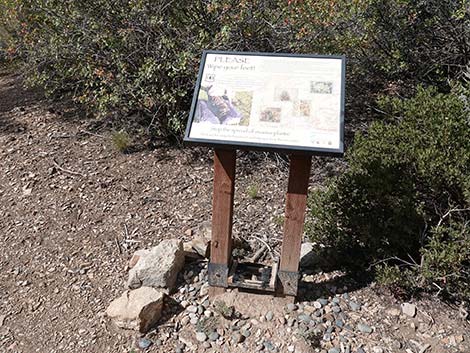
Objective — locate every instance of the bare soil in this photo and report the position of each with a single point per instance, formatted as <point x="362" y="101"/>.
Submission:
<point x="73" y="209"/>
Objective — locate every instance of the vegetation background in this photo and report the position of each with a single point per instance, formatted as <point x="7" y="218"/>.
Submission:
<point x="400" y="209"/>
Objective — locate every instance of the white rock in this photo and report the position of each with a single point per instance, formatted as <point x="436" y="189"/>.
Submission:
<point x="160" y="267"/>
<point x="307" y="255"/>
<point x="137" y="256"/>
<point x="197" y="246"/>
<point x="138" y="309"/>
<point x="201" y="336"/>
<point x="185" y="320"/>
<point x="408" y="309"/>
<point x="317" y="305"/>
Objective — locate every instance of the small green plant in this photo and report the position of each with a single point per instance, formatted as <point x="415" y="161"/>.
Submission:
<point x="404" y="202"/>
<point x="253" y="191"/>
<point x="207" y="325"/>
<point x="224" y="310"/>
<point x="279" y="220"/>
<point x="121" y="140"/>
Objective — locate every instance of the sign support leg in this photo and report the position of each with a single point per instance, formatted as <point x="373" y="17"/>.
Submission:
<point x="222" y="214"/>
<point x="296" y="202"/>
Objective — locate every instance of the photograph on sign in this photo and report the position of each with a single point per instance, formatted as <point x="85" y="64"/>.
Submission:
<point x="275" y="101"/>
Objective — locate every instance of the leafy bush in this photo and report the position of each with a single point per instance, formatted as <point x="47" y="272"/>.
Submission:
<point x="139" y="59"/>
<point x="9" y="28"/>
<point x="405" y="199"/>
<point x="391" y="45"/>
<point x="136" y="58"/>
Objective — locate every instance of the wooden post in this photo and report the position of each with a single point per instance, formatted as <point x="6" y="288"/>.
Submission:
<point x="296" y="202"/>
<point x="222" y="213"/>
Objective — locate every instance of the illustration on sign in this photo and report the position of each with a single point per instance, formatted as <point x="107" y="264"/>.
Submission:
<point x="275" y="101"/>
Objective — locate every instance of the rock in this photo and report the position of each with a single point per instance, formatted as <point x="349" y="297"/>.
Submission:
<point x="137" y="256"/>
<point x="213" y="336"/>
<point x="197" y="248"/>
<point x="308" y="257"/>
<point x="201" y="336"/>
<point x="317" y="305"/>
<point x="360" y="350"/>
<point x="245" y="332"/>
<point x="201" y="246"/>
<point x="237" y="337"/>
<point x="318" y="313"/>
<point x="364" y="328"/>
<point x="204" y="290"/>
<point x="268" y="345"/>
<point x="191" y="309"/>
<point x="339" y="323"/>
<point x="334" y="350"/>
<point x="323" y="301"/>
<point x="189" y="252"/>
<point x="355" y="306"/>
<point x="269" y="316"/>
<point x="138" y="309"/>
<point x="408" y="309"/>
<point x="336" y="309"/>
<point x="160" y="267"/>
<point x="304" y="318"/>
<point x="393" y="312"/>
<point x="291" y="307"/>
<point x="144" y="343"/>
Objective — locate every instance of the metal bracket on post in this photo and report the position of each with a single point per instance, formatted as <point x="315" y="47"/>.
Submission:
<point x="289" y="282"/>
<point x="218" y="275"/>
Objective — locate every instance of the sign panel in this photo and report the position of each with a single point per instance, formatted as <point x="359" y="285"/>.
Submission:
<point x="280" y="102"/>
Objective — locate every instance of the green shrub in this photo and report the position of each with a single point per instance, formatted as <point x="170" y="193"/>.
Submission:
<point x="9" y="29"/>
<point x="138" y="59"/>
<point x="405" y="198"/>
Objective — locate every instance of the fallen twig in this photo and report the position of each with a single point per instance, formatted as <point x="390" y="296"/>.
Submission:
<point x="118" y="245"/>
<point x="90" y="133"/>
<point x="67" y="170"/>
<point x="258" y="254"/>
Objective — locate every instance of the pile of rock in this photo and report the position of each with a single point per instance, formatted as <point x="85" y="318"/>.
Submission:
<point x="152" y="275"/>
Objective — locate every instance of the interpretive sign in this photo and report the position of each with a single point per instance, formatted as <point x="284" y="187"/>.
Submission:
<point x="270" y="102"/>
<point x="275" y="102"/>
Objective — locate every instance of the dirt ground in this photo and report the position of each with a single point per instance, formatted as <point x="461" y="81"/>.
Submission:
<point x="73" y="210"/>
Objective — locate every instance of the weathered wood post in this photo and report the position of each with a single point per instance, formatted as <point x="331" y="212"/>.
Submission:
<point x="222" y="214"/>
<point x="296" y="202"/>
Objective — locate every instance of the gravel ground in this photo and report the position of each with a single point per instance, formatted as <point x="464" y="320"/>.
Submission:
<point x="73" y="210"/>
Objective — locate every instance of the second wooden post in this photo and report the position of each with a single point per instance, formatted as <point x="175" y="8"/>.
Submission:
<point x="296" y="203"/>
